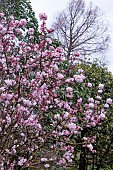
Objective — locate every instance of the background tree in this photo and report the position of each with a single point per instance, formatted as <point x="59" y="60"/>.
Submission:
<point x="80" y="28"/>
<point x="96" y="73"/>
<point x="21" y="9"/>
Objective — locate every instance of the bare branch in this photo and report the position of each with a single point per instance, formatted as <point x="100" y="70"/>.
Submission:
<point x="81" y="28"/>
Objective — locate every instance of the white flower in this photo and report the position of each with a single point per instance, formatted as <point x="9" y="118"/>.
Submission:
<point x="89" y="85"/>
<point x="100" y="91"/>
<point x="8" y="82"/>
<point x="47" y="165"/>
<point x="0" y="129"/>
<point x="101" y="86"/>
<point x="91" y="105"/>
<point x="106" y="105"/>
<point x="109" y="101"/>
<point x="90" y="147"/>
<point x="22" y="161"/>
<point x="43" y="159"/>
<point x="102" y="116"/>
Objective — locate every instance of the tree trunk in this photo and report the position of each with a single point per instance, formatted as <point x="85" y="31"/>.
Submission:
<point x="98" y="167"/>
<point x="93" y="162"/>
<point x="82" y="165"/>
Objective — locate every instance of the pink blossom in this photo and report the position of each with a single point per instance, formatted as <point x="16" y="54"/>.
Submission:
<point x="77" y="54"/>
<point x="55" y="67"/>
<point x="88" y="117"/>
<point x="109" y="101"/>
<point x="102" y="116"/>
<point x="66" y="106"/>
<point x="60" y="76"/>
<point x="51" y="48"/>
<point x="69" y="95"/>
<point x="1" y="27"/>
<point x="59" y="49"/>
<point x="91" y="105"/>
<point x="91" y="100"/>
<point x="72" y="127"/>
<point x="21" y="108"/>
<point x="65" y="132"/>
<point x="23" y="22"/>
<point x="106" y="105"/>
<point x="85" y="138"/>
<point x="73" y="119"/>
<point x="90" y="147"/>
<point x="69" y="89"/>
<point x="22" y="161"/>
<point x="4" y="30"/>
<point x="99" y="97"/>
<point x="50" y="30"/>
<point x="80" y="70"/>
<point x="43" y="16"/>
<point x="48" y="40"/>
<point x="31" y="31"/>
<point x="62" y="161"/>
<point x="101" y="86"/>
<point x="8" y="82"/>
<point x="79" y="100"/>
<point x="93" y="124"/>
<point x="1" y="14"/>
<point x="66" y="115"/>
<point x="89" y="85"/>
<point x="57" y="116"/>
<point x="68" y="80"/>
<point x="1" y="48"/>
<point x="27" y="102"/>
<point x="79" y="78"/>
<point x="60" y="105"/>
<point x="17" y="23"/>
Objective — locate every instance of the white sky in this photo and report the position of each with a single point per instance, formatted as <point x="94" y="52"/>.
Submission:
<point x="50" y="7"/>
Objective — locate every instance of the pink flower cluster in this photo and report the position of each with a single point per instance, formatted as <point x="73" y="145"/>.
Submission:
<point x="43" y="16"/>
<point x="39" y="107"/>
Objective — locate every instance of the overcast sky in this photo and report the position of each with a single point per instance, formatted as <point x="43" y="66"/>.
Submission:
<point x="50" y="7"/>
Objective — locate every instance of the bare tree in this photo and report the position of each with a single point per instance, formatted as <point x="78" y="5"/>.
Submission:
<point x="80" y="28"/>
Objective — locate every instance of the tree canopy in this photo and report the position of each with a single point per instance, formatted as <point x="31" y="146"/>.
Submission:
<point x="80" y="28"/>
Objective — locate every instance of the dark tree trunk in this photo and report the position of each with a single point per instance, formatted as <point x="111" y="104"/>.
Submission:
<point x="98" y="167"/>
<point x="82" y="165"/>
<point x="93" y="162"/>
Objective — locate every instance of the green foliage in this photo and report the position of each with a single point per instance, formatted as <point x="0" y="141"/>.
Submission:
<point x="56" y="168"/>
<point x="55" y="43"/>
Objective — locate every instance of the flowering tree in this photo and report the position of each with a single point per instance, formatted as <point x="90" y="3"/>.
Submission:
<point x="96" y="73"/>
<point x="42" y="112"/>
